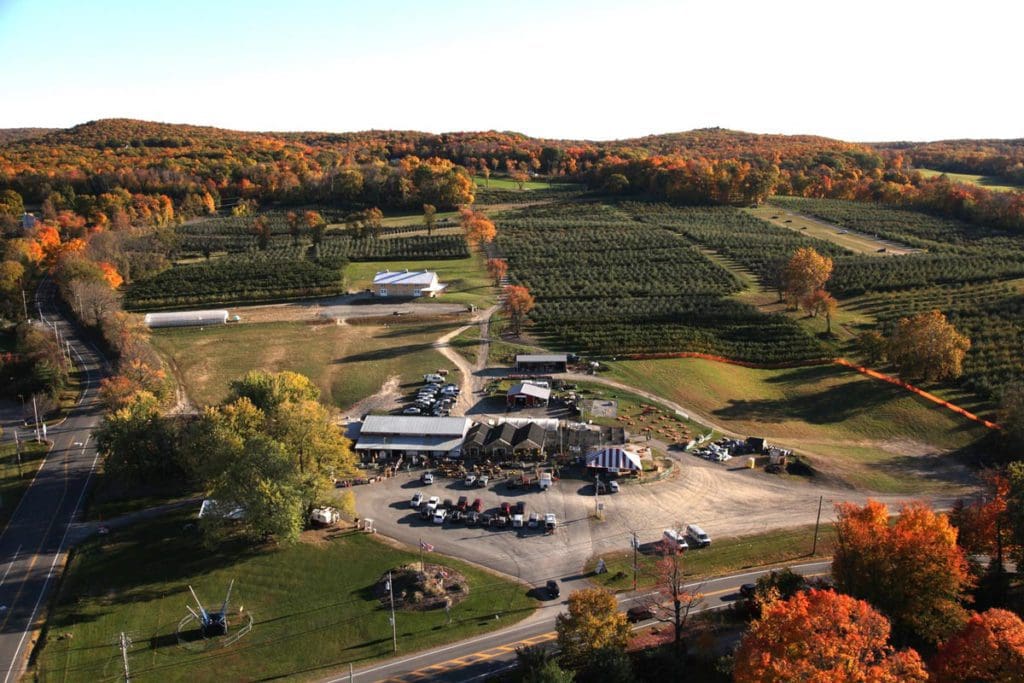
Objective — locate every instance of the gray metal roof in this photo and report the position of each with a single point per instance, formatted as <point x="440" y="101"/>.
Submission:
<point x="415" y="425"/>
<point x="542" y="358"/>
<point x="400" y="277"/>
<point x="527" y="389"/>
<point x="379" y="442"/>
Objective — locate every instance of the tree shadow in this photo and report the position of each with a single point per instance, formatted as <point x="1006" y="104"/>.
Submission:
<point x="383" y="354"/>
<point x="829" y="406"/>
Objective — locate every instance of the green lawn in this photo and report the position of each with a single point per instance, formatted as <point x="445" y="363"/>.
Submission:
<point x="14" y="480"/>
<point x="724" y="556"/>
<point x="500" y="183"/>
<point x="988" y="182"/>
<point x="467" y="343"/>
<point x="313" y="607"/>
<point x="867" y="432"/>
<point x="467" y="279"/>
<point x="347" y="362"/>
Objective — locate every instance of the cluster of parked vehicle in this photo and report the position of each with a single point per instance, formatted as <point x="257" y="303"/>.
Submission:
<point x="435" y="398"/>
<point x="722" y="450"/>
<point x="472" y="513"/>
<point x="694" y="537"/>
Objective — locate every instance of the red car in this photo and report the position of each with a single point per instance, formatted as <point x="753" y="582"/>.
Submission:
<point x="506" y="509"/>
<point x="477" y="506"/>
<point x="461" y="505"/>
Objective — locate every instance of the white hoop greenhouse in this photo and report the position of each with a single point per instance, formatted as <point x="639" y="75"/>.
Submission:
<point x="186" y="318"/>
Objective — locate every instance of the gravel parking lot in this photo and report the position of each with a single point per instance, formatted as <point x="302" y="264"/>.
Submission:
<point x="724" y="501"/>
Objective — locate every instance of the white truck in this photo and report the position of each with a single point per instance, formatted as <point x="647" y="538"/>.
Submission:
<point x="545" y="481"/>
<point x="324" y="516"/>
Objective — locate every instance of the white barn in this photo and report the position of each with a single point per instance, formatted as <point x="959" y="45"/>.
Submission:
<point x="407" y="283"/>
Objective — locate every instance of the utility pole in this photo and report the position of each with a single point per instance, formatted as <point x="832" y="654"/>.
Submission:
<point x="636" y="547"/>
<point x="17" y="450"/>
<point x="597" y="478"/>
<point x="394" y="628"/>
<point x="24" y="302"/>
<point x="125" y="644"/>
<point x="817" y="524"/>
<point x="35" y="412"/>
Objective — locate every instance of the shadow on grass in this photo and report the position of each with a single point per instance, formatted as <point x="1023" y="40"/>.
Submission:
<point x="829" y="406"/>
<point x="384" y="354"/>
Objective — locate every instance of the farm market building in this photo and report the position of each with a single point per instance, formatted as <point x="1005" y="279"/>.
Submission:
<point x="527" y="394"/>
<point x="407" y="283"/>
<point x="507" y="439"/>
<point x="542" y="363"/>
<point x="395" y="435"/>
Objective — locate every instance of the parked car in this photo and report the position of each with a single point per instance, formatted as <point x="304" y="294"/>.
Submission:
<point x="613" y="486"/>
<point x="698" y="536"/>
<point x="447" y="505"/>
<point x="521" y="507"/>
<point x="462" y="503"/>
<point x="472" y="518"/>
<point x="534" y="520"/>
<point x="417" y="500"/>
<point x="433" y="502"/>
<point x="517" y="521"/>
<point x="486" y="519"/>
<point x="639" y="613"/>
<point x="552" y="589"/>
<point x="748" y="590"/>
<point x="477" y="505"/>
<point x="412" y="410"/>
<point x="455" y="516"/>
<point x="506" y="509"/>
<point x="482" y="481"/>
<point x="427" y="478"/>
<point x="549" y="522"/>
<point x="470" y="479"/>
<point x="440" y="515"/>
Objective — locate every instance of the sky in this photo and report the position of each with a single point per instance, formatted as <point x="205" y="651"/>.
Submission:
<point x="593" y="69"/>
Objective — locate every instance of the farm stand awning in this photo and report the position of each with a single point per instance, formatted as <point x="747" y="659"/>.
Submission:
<point x="614" y="459"/>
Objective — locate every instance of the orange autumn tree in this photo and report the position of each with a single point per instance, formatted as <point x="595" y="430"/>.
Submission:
<point x="805" y="274"/>
<point x="497" y="269"/>
<point x="518" y="303"/>
<point x="823" y="636"/>
<point x="989" y="648"/>
<point x="912" y="571"/>
<point x="111" y="275"/>
<point x="478" y="227"/>
<point x="593" y="623"/>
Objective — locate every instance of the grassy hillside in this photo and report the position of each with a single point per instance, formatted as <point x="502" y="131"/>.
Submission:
<point x="867" y="432"/>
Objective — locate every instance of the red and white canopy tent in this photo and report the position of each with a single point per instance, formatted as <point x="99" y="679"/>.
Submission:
<point x="614" y="459"/>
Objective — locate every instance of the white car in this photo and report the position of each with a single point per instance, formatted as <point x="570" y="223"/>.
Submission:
<point x="440" y="515"/>
<point x="433" y="502"/>
<point x="417" y="500"/>
<point x="549" y="521"/>
<point x="534" y="520"/>
<point x="427" y="478"/>
<point x="470" y="479"/>
<point x="613" y="487"/>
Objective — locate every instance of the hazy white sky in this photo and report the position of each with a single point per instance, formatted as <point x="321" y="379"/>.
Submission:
<point x="866" y="70"/>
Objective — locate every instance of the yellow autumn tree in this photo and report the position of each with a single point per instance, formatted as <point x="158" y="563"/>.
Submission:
<point x="927" y="346"/>
<point x="593" y="623"/>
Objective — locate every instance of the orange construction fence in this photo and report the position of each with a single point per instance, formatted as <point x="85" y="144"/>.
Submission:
<point x="920" y="392"/>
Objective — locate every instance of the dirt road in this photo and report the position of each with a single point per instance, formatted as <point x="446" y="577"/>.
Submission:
<point x="339" y="307"/>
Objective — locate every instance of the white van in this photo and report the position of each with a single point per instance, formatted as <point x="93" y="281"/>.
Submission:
<point x="673" y="537"/>
<point x="700" y="538"/>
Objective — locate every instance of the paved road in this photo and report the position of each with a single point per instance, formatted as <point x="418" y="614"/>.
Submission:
<point x="477" y="658"/>
<point x="33" y="547"/>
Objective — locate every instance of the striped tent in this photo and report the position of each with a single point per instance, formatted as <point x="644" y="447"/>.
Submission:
<point x="614" y="459"/>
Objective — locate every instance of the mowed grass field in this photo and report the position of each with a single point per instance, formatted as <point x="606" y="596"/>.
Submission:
<point x="347" y="362"/>
<point x="988" y="182"/>
<point x="499" y="183"/>
<point x="817" y="228"/>
<point x="313" y="605"/>
<point x="868" y="433"/>
<point x="467" y="279"/>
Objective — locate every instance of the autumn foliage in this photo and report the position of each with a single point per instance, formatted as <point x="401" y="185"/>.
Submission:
<point x="989" y="648"/>
<point x="823" y="636"/>
<point x="593" y="623"/>
<point x="517" y="305"/>
<point x="912" y="570"/>
<point x="478" y="227"/>
<point x="497" y="268"/>
<point x="927" y="346"/>
<point x="805" y="276"/>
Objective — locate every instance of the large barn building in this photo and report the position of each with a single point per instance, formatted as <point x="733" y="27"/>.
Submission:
<point x="383" y="436"/>
<point x="542" y="363"/>
<point x="405" y="283"/>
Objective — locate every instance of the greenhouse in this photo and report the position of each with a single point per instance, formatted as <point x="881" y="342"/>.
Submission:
<point x="186" y="318"/>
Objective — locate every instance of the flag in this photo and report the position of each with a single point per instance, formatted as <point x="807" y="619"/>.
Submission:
<point x="426" y="546"/>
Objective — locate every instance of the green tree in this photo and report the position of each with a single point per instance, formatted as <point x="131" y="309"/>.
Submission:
<point x="268" y="390"/>
<point x="137" y="444"/>
<point x="11" y="203"/>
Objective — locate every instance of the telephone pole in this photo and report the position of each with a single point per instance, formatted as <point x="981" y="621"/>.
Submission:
<point x="817" y="524"/>
<point x="636" y="547"/>
<point x="35" y="412"/>
<point x="394" y="628"/>
<point x="125" y="643"/>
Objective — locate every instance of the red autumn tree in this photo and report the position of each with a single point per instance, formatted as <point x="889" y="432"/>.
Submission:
<point x="671" y="585"/>
<point x="912" y="571"/>
<point x="989" y="648"/>
<point x="111" y="275"/>
<point x="823" y="636"/>
<point x="497" y="268"/>
<point x="518" y="303"/>
<point x="978" y="523"/>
